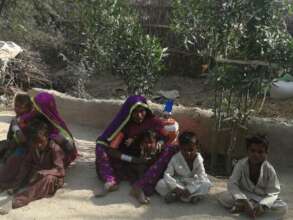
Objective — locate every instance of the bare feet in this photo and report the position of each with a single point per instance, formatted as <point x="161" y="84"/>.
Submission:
<point x="3" y="211"/>
<point x="171" y="197"/>
<point x="5" y="208"/>
<point x="196" y="199"/>
<point x="139" y="195"/>
<point x="108" y="187"/>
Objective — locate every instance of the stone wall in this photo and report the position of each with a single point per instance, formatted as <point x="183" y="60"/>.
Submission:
<point x="99" y="113"/>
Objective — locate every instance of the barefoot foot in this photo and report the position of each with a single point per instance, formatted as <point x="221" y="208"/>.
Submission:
<point x="139" y="195"/>
<point x="108" y="187"/>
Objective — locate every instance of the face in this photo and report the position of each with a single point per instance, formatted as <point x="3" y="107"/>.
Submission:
<point x="149" y="143"/>
<point x="20" y="109"/>
<point x="41" y="142"/>
<point x="189" y="150"/>
<point x="256" y="153"/>
<point x="138" y="115"/>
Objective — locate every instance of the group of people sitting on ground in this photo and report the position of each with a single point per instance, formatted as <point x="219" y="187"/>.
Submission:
<point x="37" y="150"/>
<point x="137" y="146"/>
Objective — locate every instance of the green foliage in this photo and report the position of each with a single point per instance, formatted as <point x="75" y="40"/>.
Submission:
<point x="250" y="45"/>
<point x="106" y="35"/>
<point x="115" y="42"/>
<point x="238" y="30"/>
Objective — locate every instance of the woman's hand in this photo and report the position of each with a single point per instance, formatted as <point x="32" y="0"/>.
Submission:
<point x="128" y="141"/>
<point x="12" y="191"/>
<point x="42" y="173"/>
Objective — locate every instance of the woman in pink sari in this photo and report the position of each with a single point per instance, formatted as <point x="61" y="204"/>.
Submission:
<point x="112" y="152"/>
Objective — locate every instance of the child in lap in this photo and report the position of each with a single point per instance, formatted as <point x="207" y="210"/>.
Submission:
<point x="185" y="178"/>
<point x="254" y="187"/>
<point x="15" y="137"/>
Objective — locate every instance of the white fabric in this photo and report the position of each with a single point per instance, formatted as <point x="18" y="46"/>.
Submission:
<point x="179" y="175"/>
<point x="281" y="90"/>
<point x="267" y="189"/>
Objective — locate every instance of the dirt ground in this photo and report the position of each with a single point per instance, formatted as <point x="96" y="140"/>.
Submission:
<point x="76" y="201"/>
<point x="193" y="92"/>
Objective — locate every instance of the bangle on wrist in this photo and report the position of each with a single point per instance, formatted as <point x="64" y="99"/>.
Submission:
<point x="126" y="158"/>
<point x="15" y="128"/>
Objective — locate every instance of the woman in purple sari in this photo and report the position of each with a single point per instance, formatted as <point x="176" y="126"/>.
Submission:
<point x="112" y="152"/>
<point x="44" y="104"/>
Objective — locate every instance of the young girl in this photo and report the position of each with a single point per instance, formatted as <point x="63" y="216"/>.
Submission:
<point x="42" y="173"/>
<point x="254" y="187"/>
<point x="15" y="136"/>
<point x="14" y="148"/>
<point x="185" y="178"/>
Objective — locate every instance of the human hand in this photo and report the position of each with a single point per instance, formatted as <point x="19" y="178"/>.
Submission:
<point x="186" y="193"/>
<point x="128" y="141"/>
<point x="179" y="192"/>
<point x="12" y="191"/>
<point x="259" y="210"/>
<point x="42" y="173"/>
<point x="20" y="136"/>
<point x="35" y="177"/>
<point x="249" y="209"/>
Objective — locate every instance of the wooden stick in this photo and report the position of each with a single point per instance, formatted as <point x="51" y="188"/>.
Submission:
<point x="246" y="62"/>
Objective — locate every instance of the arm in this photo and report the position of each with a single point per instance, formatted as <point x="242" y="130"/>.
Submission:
<point x="66" y="145"/>
<point x="233" y="183"/>
<point x="115" y="153"/>
<point x="169" y="129"/>
<point x="200" y="171"/>
<point x="169" y="176"/>
<point x="10" y="133"/>
<point x="15" y="134"/>
<point x="58" y="169"/>
<point x="24" y="170"/>
<point x="273" y="189"/>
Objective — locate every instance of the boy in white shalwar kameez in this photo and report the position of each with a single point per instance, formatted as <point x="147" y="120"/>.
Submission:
<point x="254" y="187"/>
<point x="185" y="178"/>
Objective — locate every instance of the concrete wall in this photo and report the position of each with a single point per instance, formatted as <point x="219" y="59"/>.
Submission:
<point x="99" y="113"/>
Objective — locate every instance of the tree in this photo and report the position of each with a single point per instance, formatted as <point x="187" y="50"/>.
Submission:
<point x="249" y="44"/>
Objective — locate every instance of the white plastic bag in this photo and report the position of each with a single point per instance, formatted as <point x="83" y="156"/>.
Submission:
<point x="281" y="90"/>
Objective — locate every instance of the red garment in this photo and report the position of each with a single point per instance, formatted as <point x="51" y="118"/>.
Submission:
<point x="43" y="173"/>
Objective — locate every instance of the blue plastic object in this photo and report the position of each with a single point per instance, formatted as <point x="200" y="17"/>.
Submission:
<point x="168" y="106"/>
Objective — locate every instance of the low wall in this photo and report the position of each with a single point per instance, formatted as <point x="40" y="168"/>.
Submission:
<point x="99" y="113"/>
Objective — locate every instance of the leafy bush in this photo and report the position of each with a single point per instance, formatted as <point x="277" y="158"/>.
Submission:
<point x="105" y="35"/>
<point x="250" y="45"/>
<point x="115" y="42"/>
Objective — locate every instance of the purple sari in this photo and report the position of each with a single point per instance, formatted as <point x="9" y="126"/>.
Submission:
<point x="113" y="170"/>
<point x="44" y="103"/>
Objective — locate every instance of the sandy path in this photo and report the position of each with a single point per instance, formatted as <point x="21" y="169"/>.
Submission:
<point x="75" y="200"/>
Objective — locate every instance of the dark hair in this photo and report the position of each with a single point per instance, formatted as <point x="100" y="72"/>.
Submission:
<point x="187" y="137"/>
<point x="23" y="99"/>
<point x="38" y="126"/>
<point x="259" y="139"/>
<point x="147" y="134"/>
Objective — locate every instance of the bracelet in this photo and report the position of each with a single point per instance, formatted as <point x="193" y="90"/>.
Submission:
<point x="15" y="128"/>
<point x="126" y="158"/>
